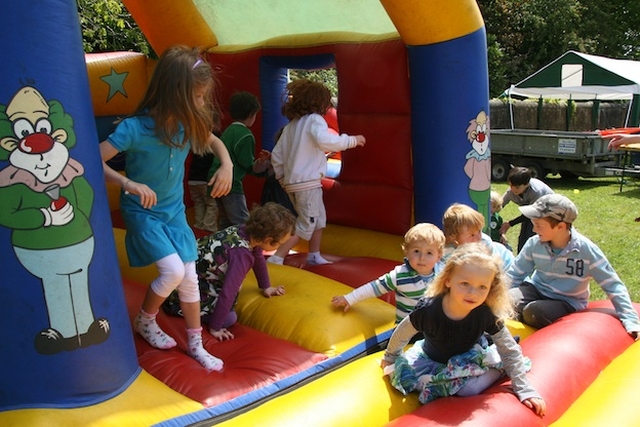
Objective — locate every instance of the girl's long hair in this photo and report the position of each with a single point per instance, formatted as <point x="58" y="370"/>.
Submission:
<point x="170" y="98"/>
<point x="478" y="254"/>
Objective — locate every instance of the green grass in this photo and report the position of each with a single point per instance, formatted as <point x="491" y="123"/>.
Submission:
<point x="606" y="216"/>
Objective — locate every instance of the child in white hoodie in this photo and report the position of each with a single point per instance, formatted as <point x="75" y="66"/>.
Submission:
<point x="299" y="162"/>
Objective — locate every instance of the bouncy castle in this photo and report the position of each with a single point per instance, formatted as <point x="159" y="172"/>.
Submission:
<point x="412" y="78"/>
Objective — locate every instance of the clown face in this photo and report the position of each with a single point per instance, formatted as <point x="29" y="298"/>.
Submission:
<point x="34" y="146"/>
<point x="480" y="141"/>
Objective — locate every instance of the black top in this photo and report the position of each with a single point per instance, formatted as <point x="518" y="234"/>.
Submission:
<point x="443" y="337"/>
<point x="200" y="167"/>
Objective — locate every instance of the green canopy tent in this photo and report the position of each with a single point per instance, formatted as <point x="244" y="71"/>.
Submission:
<point x="582" y="77"/>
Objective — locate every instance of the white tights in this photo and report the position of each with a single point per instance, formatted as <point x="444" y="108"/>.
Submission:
<point x="477" y="385"/>
<point x="174" y="274"/>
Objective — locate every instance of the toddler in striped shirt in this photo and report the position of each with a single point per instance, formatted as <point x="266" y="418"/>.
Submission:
<point x="423" y="246"/>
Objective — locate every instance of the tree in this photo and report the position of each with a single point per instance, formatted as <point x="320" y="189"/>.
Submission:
<point x="328" y="77"/>
<point x="613" y="27"/>
<point x="525" y="35"/>
<point x="522" y="35"/>
<point x="107" y="26"/>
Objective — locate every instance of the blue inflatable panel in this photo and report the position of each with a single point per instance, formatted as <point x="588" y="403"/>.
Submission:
<point x="449" y="90"/>
<point x="66" y="336"/>
<point x="274" y="73"/>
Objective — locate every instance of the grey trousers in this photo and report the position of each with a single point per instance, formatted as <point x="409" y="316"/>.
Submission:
<point x="535" y="309"/>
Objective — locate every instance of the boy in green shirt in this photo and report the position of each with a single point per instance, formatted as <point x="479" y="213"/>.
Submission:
<point x="241" y="144"/>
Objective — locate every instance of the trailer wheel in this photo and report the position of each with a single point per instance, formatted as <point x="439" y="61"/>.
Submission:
<point x="499" y="169"/>
<point x="569" y="176"/>
<point x="537" y="171"/>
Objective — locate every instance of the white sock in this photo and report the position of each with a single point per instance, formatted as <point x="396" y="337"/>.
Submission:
<point x="197" y="351"/>
<point x="314" y="258"/>
<point x="274" y="259"/>
<point x="145" y="324"/>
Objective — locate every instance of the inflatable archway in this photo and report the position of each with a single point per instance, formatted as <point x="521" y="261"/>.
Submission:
<point x="422" y="131"/>
<point x="412" y="78"/>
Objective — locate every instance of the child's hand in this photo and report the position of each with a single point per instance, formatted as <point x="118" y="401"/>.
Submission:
<point x="360" y="140"/>
<point x="340" y="301"/>
<point x="222" y="334"/>
<point x="635" y="335"/>
<point x="262" y="162"/>
<point x="221" y="181"/>
<point x="616" y="140"/>
<point x="264" y="156"/>
<point x="505" y="227"/>
<point x="273" y="292"/>
<point x="384" y="363"/>
<point x="536" y="404"/>
<point x="148" y="197"/>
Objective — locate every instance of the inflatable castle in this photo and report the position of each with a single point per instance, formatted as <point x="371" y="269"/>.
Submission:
<point x="412" y="77"/>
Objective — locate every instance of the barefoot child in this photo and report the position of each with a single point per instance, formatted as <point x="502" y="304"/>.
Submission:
<point x="495" y="220"/>
<point x="462" y="224"/>
<point x="241" y="144"/>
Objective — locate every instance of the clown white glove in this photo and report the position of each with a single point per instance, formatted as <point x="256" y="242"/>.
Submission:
<point x="58" y="217"/>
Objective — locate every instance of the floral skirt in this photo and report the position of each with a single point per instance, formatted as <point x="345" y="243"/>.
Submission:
<point x="415" y="371"/>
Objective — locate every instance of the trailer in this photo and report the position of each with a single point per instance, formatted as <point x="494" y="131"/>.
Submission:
<point x="573" y="76"/>
<point x="571" y="154"/>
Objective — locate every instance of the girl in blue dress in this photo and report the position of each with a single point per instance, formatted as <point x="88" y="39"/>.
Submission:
<point x="174" y="117"/>
<point x="469" y="298"/>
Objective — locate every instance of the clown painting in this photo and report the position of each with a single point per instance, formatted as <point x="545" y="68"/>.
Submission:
<point x="46" y="202"/>
<point x="478" y="163"/>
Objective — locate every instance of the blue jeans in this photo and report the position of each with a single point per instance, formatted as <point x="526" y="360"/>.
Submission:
<point x="232" y="210"/>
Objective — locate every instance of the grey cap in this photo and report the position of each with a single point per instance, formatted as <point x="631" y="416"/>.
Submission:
<point x="554" y="206"/>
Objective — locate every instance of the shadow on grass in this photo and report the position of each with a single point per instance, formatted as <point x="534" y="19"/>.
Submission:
<point x="629" y="193"/>
<point x="630" y="187"/>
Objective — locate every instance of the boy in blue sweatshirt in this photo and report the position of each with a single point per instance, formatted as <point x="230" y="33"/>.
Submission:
<point x="552" y="272"/>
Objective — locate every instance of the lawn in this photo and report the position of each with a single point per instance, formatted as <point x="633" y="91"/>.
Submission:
<point x="606" y="216"/>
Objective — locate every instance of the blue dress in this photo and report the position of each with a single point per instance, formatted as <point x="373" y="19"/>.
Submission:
<point x="163" y="230"/>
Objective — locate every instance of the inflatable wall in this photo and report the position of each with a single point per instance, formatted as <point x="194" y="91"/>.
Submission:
<point x="419" y="95"/>
<point x="66" y="336"/>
